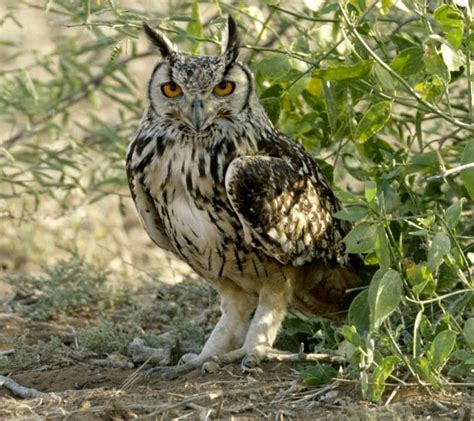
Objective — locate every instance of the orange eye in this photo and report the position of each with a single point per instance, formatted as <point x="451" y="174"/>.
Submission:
<point x="171" y="90"/>
<point x="224" y="88"/>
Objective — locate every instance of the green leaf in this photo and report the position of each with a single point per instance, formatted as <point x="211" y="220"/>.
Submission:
<point x="408" y="62"/>
<point x="373" y="120"/>
<point x="274" y="67"/>
<point x="468" y="332"/>
<point x="453" y="214"/>
<point x="385" y="293"/>
<point x="435" y="65"/>
<point x="370" y="191"/>
<point x="382" y="248"/>
<point x="361" y="239"/>
<point x="340" y="73"/>
<point x="352" y="213"/>
<point x="358" y="313"/>
<point x="384" y="77"/>
<point x="424" y="161"/>
<point x="421" y="280"/>
<point x="317" y="375"/>
<point x="441" y="348"/>
<point x="422" y="367"/>
<point x="453" y="60"/>
<point x="350" y="333"/>
<point x="274" y="91"/>
<point x="440" y="247"/>
<point x="451" y="23"/>
<point x="272" y="108"/>
<point x="195" y="27"/>
<point x="467" y="175"/>
<point x="381" y="373"/>
<point x="386" y="6"/>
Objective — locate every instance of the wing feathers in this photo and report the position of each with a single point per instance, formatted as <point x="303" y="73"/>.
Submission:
<point x="279" y="208"/>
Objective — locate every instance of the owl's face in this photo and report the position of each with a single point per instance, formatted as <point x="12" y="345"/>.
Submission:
<point x="198" y="91"/>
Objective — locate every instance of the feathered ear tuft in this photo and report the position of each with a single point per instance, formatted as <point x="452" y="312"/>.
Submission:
<point x="159" y="41"/>
<point x="231" y="42"/>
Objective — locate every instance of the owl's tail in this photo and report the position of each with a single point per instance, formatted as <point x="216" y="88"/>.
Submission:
<point x="325" y="291"/>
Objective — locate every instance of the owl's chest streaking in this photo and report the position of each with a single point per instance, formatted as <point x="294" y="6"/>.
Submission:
<point x="185" y="179"/>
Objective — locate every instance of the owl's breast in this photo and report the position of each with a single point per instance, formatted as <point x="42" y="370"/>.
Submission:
<point x="186" y="184"/>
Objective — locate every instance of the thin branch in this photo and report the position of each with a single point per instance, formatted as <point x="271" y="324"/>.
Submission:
<point x="21" y="391"/>
<point x="454" y="170"/>
<point x="441" y="297"/>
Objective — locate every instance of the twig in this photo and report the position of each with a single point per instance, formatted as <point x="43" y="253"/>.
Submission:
<point x="166" y="407"/>
<point x="451" y="171"/>
<point x="141" y="353"/>
<point x="21" y="391"/>
<point x="301" y="356"/>
<point x="204" y="413"/>
<point x="441" y="297"/>
<point x="110" y="362"/>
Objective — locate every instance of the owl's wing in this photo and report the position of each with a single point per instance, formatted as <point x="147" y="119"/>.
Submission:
<point x="145" y="205"/>
<point x="285" y="206"/>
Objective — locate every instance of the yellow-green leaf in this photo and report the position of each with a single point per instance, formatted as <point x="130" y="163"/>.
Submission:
<point x="195" y="27"/>
<point x="451" y="23"/>
<point x="373" y="120"/>
<point x="340" y="73"/>
<point x="409" y="61"/>
<point x="467" y="175"/>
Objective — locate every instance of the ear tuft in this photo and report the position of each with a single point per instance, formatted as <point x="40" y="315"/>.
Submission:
<point x="159" y="41"/>
<point x="233" y="41"/>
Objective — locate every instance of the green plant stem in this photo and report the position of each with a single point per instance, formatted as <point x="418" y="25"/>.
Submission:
<point x="442" y="297"/>
<point x="260" y="34"/>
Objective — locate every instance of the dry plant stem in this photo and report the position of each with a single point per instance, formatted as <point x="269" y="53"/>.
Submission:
<point x="108" y="362"/>
<point x="166" y="407"/>
<point x="141" y="353"/>
<point x="301" y="356"/>
<point x="21" y="391"/>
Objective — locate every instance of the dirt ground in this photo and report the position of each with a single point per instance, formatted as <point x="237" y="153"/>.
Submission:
<point x="81" y="384"/>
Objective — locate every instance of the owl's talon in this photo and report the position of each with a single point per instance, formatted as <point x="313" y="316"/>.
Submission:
<point x="210" y="367"/>
<point x="250" y="362"/>
<point x="186" y="358"/>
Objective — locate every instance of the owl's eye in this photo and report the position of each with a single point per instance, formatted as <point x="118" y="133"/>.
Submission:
<point x="224" y="88"/>
<point x="171" y="90"/>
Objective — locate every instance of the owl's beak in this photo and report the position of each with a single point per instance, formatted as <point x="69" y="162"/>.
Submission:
<point x="197" y="114"/>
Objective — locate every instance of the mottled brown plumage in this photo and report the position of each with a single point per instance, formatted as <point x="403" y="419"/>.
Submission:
<point x="216" y="184"/>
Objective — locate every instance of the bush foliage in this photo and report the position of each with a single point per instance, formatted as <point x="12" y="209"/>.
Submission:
<point x="381" y="92"/>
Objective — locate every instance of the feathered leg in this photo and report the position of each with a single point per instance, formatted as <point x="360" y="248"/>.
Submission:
<point x="271" y="310"/>
<point x="229" y="332"/>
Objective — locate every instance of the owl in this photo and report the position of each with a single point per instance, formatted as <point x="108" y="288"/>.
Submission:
<point x="216" y="184"/>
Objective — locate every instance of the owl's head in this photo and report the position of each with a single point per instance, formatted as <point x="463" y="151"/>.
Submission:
<point x="199" y="91"/>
